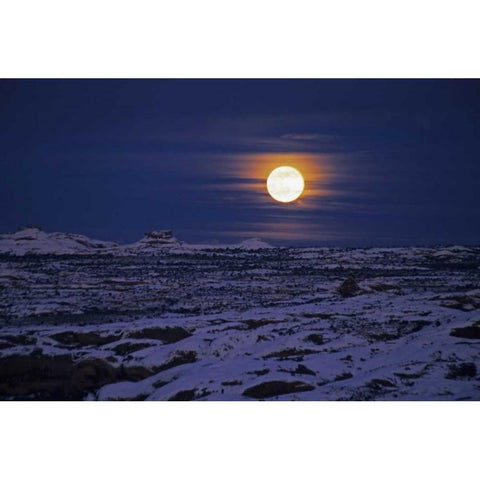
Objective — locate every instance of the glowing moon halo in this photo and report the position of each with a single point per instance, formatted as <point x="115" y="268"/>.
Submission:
<point x="285" y="184"/>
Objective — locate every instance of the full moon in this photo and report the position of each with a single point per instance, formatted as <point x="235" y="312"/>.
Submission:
<point x="285" y="184"/>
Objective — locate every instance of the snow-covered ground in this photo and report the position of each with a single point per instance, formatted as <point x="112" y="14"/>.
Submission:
<point x="161" y="319"/>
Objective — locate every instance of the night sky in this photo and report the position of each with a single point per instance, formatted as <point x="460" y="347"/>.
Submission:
<point x="386" y="162"/>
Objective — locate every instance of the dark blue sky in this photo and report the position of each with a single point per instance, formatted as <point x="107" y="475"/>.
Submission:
<point x="386" y="162"/>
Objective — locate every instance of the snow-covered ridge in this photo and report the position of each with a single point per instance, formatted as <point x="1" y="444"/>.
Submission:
<point x="152" y="241"/>
<point x="248" y="244"/>
<point x="253" y="244"/>
<point x="34" y="241"/>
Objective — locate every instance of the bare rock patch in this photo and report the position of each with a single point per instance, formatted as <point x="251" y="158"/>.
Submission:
<point x="276" y="388"/>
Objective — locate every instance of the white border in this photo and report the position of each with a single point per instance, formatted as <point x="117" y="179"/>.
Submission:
<point x="252" y="38"/>
<point x="245" y="39"/>
<point x="235" y="440"/>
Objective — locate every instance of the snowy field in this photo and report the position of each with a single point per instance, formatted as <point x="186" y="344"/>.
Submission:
<point x="165" y="320"/>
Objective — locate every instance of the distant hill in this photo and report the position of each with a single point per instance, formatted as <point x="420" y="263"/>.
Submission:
<point x="34" y="241"/>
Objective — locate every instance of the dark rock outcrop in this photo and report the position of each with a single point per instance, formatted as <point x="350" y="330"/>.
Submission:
<point x="60" y="377"/>
<point x="349" y="288"/>
<point x="165" y="334"/>
<point x="461" y="371"/>
<point x="83" y="339"/>
<point x="472" y="332"/>
<point x="276" y="388"/>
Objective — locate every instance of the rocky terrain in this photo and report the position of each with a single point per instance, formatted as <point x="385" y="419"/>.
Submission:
<point x="164" y="320"/>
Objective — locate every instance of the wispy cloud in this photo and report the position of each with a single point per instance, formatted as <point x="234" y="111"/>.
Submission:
<point x="305" y="136"/>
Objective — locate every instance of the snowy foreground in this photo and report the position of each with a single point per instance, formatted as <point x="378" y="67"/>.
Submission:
<point x="164" y="320"/>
